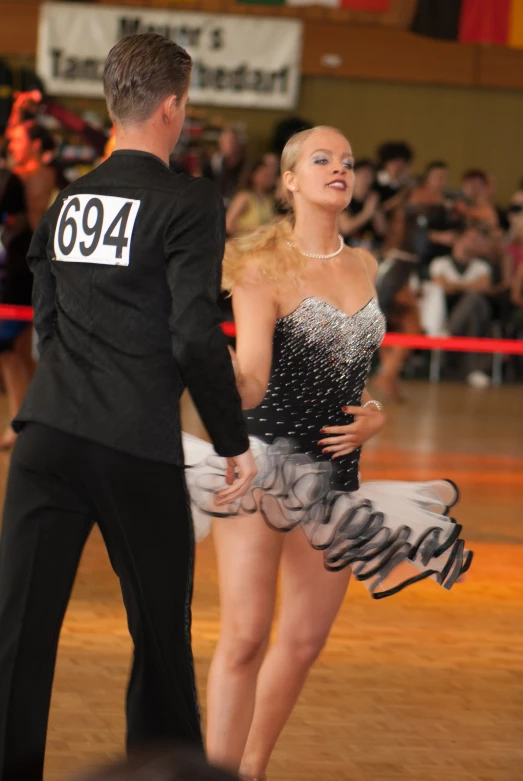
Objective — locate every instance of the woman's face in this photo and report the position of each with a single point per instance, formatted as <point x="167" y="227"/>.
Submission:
<point x="324" y="174"/>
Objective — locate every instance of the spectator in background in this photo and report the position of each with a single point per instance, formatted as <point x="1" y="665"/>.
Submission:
<point x="476" y="205"/>
<point x="26" y="195"/>
<point x="28" y="146"/>
<point x="430" y="201"/>
<point x="516" y="294"/>
<point x="29" y="104"/>
<point x="363" y="223"/>
<point x="514" y="259"/>
<point x="253" y="206"/>
<point x="514" y="239"/>
<point x="393" y="183"/>
<point x="226" y="166"/>
<point x="466" y="281"/>
<point x="517" y="198"/>
<point x="397" y="299"/>
<point x="16" y="283"/>
<point x="493" y="250"/>
<point x="284" y="130"/>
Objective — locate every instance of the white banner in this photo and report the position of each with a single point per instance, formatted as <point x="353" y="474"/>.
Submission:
<point x="237" y="60"/>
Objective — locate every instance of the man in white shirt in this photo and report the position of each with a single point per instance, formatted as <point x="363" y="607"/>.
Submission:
<point x="466" y="280"/>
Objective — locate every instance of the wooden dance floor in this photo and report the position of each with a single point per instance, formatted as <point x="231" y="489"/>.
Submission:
<point x="427" y="685"/>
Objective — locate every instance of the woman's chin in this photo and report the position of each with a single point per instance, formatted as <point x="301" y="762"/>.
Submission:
<point x="334" y="201"/>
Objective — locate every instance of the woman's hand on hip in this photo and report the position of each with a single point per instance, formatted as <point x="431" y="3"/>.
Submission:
<point x="343" y="440"/>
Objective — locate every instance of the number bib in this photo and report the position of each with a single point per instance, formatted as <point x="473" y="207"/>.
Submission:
<point x="95" y="229"/>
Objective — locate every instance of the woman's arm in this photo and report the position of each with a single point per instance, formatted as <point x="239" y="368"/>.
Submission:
<point x="255" y="313"/>
<point x="237" y="208"/>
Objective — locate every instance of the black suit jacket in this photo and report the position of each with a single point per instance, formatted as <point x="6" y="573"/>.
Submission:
<point x="127" y="271"/>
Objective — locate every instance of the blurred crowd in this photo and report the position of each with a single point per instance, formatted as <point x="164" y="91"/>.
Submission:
<point x="451" y="260"/>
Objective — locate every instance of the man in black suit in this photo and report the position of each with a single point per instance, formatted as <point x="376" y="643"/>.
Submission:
<point x="127" y="269"/>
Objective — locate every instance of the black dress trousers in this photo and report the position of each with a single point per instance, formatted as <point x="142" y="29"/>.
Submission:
<point x="59" y="486"/>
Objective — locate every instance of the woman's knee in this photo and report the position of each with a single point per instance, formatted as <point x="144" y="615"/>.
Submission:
<point x="243" y="647"/>
<point x="305" y="648"/>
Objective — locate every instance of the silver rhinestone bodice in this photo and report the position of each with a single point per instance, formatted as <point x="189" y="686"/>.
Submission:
<point x="321" y="361"/>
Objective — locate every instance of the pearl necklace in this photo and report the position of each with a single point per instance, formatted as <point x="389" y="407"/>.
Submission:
<point x="321" y="257"/>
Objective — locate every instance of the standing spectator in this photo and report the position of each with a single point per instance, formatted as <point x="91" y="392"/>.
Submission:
<point x="28" y="145"/>
<point x="16" y="284"/>
<point x="466" y="281"/>
<point x="363" y="223"/>
<point x="227" y="164"/>
<point x="253" y="205"/>
<point x="397" y="299"/>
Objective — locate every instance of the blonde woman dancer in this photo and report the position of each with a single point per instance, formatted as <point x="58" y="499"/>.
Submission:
<point x="308" y="324"/>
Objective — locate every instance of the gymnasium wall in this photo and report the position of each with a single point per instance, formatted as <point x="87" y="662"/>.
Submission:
<point x="460" y="102"/>
<point x="468" y="127"/>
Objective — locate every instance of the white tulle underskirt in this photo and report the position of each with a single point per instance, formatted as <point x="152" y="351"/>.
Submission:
<point x="390" y="533"/>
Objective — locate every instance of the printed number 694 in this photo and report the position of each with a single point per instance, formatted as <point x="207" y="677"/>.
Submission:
<point x="96" y="229"/>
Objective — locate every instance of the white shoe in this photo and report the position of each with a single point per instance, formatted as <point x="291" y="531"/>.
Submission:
<point x="478" y="379"/>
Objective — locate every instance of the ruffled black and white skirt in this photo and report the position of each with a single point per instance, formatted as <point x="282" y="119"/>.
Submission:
<point x="390" y="533"/>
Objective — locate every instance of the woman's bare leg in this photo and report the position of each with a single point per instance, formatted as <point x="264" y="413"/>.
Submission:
<point x="248" y="555"/>
<point x="311" y="599"/>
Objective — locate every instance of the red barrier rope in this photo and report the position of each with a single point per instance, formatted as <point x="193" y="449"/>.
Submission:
<point x="13" y="312"/>
<point x="451" y="343"/>
<point x="414" y="341"/>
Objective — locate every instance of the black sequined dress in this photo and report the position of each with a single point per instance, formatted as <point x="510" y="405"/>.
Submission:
<point x="390" y="533"/>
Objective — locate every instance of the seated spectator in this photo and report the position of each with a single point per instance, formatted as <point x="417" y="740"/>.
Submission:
<point x="466" y="281"/>
<point x="514" y="239"/>
<point x="430" y="201"/>
<point x="253" y="206"/>
<point x="476" y="205"/>
<point x="516" y="294"/>
<point x="493" y="250"/>
<point x="363" y="224"/>
<point x="226" y="166"/>
<point x="393" y="183"/>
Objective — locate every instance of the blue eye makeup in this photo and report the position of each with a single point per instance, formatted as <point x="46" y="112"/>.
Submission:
<point x="323" y="160"/>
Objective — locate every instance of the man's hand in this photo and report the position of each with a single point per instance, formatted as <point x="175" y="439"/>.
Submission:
<point x="241" y="471"/>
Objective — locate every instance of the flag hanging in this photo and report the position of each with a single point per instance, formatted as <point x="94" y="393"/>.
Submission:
<point x="471" y="21"/>
<point x="374" y="6"/>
